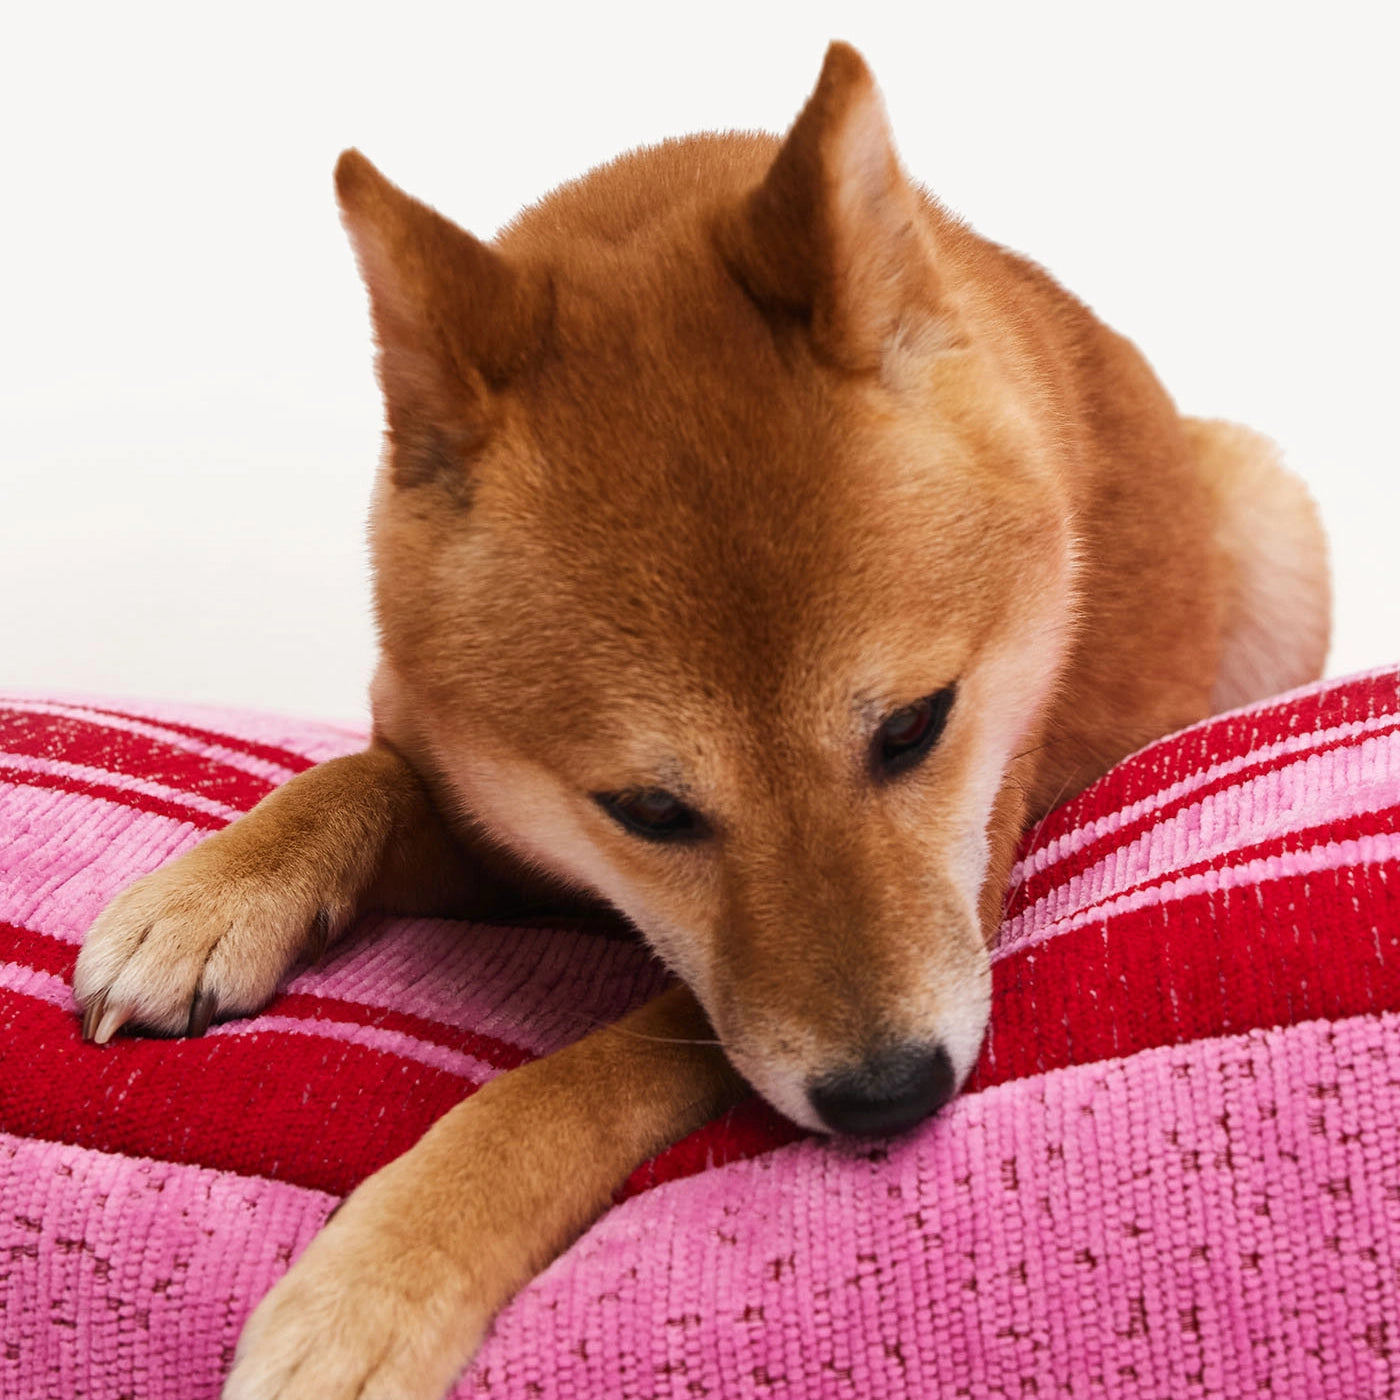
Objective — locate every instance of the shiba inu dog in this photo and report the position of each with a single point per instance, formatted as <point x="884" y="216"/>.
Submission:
<point x="757" y="551"/>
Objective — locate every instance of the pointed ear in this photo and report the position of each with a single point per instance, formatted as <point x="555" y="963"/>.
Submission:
<point x="834" y="235"/>
<point x="453" y="320"/>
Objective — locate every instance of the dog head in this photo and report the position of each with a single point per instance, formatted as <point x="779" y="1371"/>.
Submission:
<point x="720" y="550"/>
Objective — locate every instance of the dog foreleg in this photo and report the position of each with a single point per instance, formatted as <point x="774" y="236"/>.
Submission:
<point x="393" y="1297"/>
<point x="215" y="930"/>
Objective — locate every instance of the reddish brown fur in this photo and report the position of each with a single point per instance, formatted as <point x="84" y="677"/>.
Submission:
<point x="693" y="452"/>
<point x="714" y="460"/>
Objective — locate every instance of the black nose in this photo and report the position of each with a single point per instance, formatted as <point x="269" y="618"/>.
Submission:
<point x="886" y="1093"/>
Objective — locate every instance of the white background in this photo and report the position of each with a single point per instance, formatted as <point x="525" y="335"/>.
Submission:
<point x="188" y="423"/>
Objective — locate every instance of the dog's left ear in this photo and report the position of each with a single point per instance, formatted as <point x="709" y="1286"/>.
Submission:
<point x="835" y="236"/>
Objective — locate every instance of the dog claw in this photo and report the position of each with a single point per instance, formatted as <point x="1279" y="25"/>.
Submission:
<point x="202" y="1011"/>
<point x="111" y="1022"/>
<point x="92" y="1015"/>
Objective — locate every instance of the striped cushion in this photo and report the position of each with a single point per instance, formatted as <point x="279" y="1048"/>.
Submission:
<point x="1176" y="1172"/>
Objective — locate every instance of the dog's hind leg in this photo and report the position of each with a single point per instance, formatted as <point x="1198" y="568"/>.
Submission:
<point x="1277" y="600"/>
<point x="395" y="1294"/>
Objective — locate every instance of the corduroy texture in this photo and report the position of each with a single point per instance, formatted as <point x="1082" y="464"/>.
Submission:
<point x="1176" y="1172"/>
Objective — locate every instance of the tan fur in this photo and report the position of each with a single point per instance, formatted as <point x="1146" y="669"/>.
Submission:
<point x="715" y="460"/>
<point x="1278" y="597"/>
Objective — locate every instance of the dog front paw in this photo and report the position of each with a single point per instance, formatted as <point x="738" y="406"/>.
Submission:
<point x="371" y="1311"/>
<point x="211" y="933"/>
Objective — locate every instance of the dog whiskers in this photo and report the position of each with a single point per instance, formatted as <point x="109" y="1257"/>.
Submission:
<point x="1014" y="888"/>
<point x="665" y="1039"/>
<point x="592" y="1023"/>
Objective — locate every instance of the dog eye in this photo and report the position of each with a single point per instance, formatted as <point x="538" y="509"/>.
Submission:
<point x="908" y="734"/>
<point x="652" y="813"/>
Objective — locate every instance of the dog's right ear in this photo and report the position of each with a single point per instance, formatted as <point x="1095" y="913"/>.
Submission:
<point x="453" y="320"/>
<point x="832" y="238"/>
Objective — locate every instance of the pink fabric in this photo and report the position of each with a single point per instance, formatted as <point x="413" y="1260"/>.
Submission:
<point x="126" y="1277"/>
<point x="1262" y="809"/>
<point x="1179" y="1174"/>
<point x="1219" y="1218"/>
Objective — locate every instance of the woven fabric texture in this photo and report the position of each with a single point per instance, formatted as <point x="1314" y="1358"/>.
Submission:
<point x="1175" y="1173"/>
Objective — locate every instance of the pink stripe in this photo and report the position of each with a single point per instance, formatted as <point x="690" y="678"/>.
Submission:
<point x="1101" y="828"/>
<point x="537" y="988"/>
<point x="67" y="854"/>
<point x="503" y="982"/>
<point x="126" y="1276"/>
<point x="1305" y="793"/>
<point x="396" y="1043"/>
<point x="123" y="782"/>
<point x="47" y="987"/>
<point x="1214" y="1219"/>
<point x="42" y="986"/>
<point x="1334" y="855"/>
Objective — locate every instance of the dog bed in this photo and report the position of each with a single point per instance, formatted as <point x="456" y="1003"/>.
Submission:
<point x="1176" y="1171"/>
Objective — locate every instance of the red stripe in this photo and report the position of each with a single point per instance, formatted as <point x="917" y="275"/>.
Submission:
<point x="324" y="1113"/>
<point x="45" y="953"/>
<point x="63" y="740"/>
<point x="311" y="1006"/>
<point x="121" y="797"/>
<point x="1305" y="947"/>
<point x="1348" y="702"/>
<point x="1148" y="977"/>
<point x="1039" y="883"/>
<point x="748" y="1130"/>
<point x="271" y="753"/>
<point x="302" y="1109"/>
<point x="160" y="1072"/>
<point x="41" y="951"/>
<point x="1319" y="946"/>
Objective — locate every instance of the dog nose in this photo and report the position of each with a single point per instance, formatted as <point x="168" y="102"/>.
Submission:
<point x="886" y="1093"/>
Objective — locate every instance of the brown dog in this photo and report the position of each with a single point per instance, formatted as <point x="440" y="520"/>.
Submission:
<point x="757" y="550"/>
